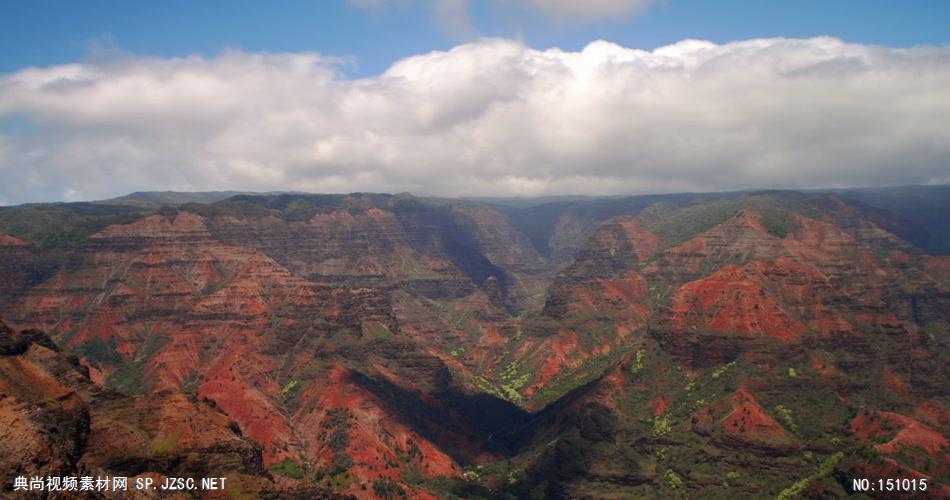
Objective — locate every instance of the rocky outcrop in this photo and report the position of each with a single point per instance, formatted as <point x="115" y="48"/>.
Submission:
<point x="167" y="434"/>
<point x="738" y="240"/>
<point x="733" y="300"/>
<point x="594" y="305"/>
<point x="739" y="421"/>
<point x="44" y="421"/>
<point x="910" y="448"/>
<point x="438" y="251"/>
<point x="604" y="276"/>
<point x="55" y="421"/>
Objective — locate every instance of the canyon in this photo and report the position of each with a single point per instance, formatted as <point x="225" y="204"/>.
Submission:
<point x="386" y="346"/>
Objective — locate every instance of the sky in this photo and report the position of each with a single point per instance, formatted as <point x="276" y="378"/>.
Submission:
<point x="470" y="97"/>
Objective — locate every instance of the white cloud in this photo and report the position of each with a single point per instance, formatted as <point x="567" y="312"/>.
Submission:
<point x="487" y="118"/>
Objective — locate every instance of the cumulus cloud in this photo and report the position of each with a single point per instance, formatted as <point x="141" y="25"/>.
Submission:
<point x="488" y="118"/>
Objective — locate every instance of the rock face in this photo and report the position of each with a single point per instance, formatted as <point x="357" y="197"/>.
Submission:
<point x="57" y="422"/>
<point x="161" y="305"/>
<point x="739" y="421"/>
<point x="14" y="275"/>
<point x="733" y="299"/>
<point x="440" y="251"/>
<point x="45" y="423"/>
<point x="377" y="346"/>
<point x="742" y="238"/>
<point x="595" y="304"/>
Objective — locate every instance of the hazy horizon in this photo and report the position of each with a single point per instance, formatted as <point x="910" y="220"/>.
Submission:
<point x="231" y="192"/>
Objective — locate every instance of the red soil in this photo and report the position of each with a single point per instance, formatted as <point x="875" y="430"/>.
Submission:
<point x="659" y="405"/>
<point x="376" y="437"/>
<point x="820" y="366"/>
<point x="733" y="300"/>
<point x="9" y="241"/>
<point x="747" y="417"/>
<point x="645" y="243"/>
<point x="894" y="383"/>
<point x="559" y="354"/>
<point x="932" y="413"/>
<point x="820" y="242"/>
<point x="902" y="430"/>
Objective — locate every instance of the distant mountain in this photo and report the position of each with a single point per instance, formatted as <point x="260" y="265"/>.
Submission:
<point x="526" y="202"/>
<point x="919" y="214"/>
<point x="175" y="198"/>
<point x="753" y="344"/>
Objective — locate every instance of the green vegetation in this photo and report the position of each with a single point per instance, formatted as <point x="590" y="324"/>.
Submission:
<point x="130" y="379"/>
<point x="785" y="415"/>
<point x="63" y="225"/>
<point x="211" y="287"/>
<point x="673" y="480"/>
<point x="289" y="388"/>
<point x="518" y="335"/>
<point x="503" y="392"/>
<point x="657" y="296"/>
<point x="338" y="417"/>
<point x="374" y="330"/>
<point x="472" y="475"/>
<point x="287" y="468"/>
<point x="100" y="351"/>
<point x="513" y="380"/>
<point x="411" y="452"/>
<point x="675" y="223"/>
<point x="300" y="207"/>
<point x="638" y="364"/>
<point x="164" y="444"/>
<point x="340" y="481"/>
<point x="154" y="199"/>
<point x="776" y="226"/>
<point x="337" y="423"/>
<point x="826" y="467"/>
<point x="939" y="333"/>
<point x="388" y="489"/>
<point x="576" y="377"/>
<point x="339" y="440"/>
<point x="341" y="463"/>
<point x="722" y="369"/>
<point x="661" y="426"/>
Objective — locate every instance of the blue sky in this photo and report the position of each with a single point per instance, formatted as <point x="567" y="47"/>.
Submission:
<point x="45" y="32"/>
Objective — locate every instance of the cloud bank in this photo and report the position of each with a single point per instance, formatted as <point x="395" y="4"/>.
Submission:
<point x="492" y="118"/>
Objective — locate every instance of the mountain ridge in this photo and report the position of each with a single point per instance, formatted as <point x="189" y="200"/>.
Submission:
<point x="370" y="344"/>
